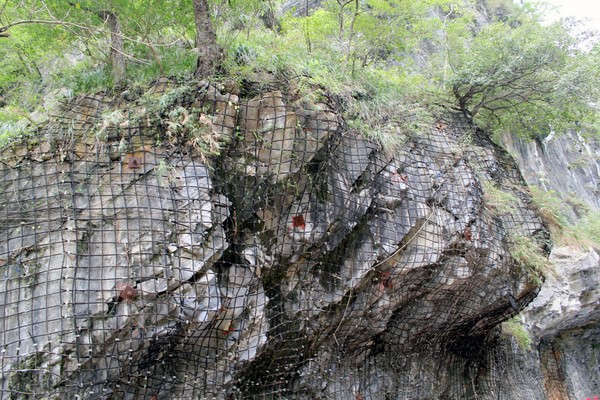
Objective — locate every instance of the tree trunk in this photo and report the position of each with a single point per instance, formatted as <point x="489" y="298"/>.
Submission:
<point x="117" y="57"/>
<point x="209" y="53"/>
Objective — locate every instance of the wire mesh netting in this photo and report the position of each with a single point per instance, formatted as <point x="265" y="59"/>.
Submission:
<point x="187" y="242"/>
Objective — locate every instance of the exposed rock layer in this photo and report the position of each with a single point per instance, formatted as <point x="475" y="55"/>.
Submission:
<point x="302" y="261"/>
<point x="563" y="321"/>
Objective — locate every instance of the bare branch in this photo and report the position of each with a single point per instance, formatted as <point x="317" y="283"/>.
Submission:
<point x="44" y="22"/>
<point x="67" y="24"/>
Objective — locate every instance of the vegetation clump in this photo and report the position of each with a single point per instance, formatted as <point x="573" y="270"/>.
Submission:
<point x="582" y="231"/>
<point x="529" y="257"/>
<point x="589" y="228"/>
<point x="514" y="327"/>
<point x="498" y="201"/>
<point x="383" y="60"/>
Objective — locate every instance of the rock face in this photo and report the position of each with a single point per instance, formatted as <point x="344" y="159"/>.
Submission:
<point x="564" y="320"/>
<point x="568" y="164"/>
<point x="300" y="7"/>
<point x="192" y="244"/>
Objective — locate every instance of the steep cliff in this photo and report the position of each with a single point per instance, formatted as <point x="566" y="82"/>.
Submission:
<point x="563" y="321"/>
<point x="566" y="163"/>
<point x="189" y="243"/>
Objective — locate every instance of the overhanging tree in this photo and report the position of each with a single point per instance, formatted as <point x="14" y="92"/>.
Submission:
<point x="524" y="76"/>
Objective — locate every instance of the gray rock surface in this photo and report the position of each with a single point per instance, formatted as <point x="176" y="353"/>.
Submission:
<point x="301" y="261"/>
<point x="569" y="297"/>
<point x="563" y="321"/>
<point x="300" y="7"/>
<point x="566" y="163"/>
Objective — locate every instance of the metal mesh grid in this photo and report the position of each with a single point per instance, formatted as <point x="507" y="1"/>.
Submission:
<point x="190" y="244"/>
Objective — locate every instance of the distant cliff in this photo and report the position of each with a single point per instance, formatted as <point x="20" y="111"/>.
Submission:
<point x="564" y="320"/>
<point x="567" y="163"/>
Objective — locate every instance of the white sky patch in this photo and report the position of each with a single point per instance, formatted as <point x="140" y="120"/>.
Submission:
<point x="588" y="10"/>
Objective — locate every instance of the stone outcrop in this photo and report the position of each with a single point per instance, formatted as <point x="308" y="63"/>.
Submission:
<point x="300" y="7"/>
<point x="563" y="321"/>
<point x="192" y="244"/>
<point x="567" y="163"/>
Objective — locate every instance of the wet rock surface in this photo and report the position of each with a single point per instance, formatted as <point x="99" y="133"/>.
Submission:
<point x="192" y="244"/>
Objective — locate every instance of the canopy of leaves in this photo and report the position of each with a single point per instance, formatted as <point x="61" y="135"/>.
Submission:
<point x="525" y="77"/>
<point x="377" y="56"/>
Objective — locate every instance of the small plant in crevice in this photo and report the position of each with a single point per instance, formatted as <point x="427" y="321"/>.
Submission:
<point x="529" y="257"/>
<point x="161" y="103"/>
<point x="164" y="173"/>
<point x="497" y="201"/>
<point x="515" y="328"/>
<point x="111" y="121"/>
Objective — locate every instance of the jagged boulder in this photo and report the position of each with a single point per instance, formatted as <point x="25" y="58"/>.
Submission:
<point x="191" y="244"/>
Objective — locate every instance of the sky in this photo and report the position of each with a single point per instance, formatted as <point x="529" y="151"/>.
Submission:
<point x="580" y="9"/>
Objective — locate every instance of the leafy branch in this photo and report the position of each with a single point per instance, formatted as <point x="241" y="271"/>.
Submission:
<point x="512" y="72"/>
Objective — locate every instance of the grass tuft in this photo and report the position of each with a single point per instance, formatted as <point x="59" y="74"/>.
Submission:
<point x="497" y="201"/>
<point x="530" y="258"/>
<point x="550" y="207"/>
<point x="588" y="229"/>
<point x="514" y="327"/>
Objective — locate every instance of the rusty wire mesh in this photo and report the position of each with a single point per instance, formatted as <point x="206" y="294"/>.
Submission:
<point x="192" y="243"/>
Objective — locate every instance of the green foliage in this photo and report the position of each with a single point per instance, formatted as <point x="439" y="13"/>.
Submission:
<point x="360" y="59"/>
<point x="550" y="207"/>
<point x="500" y="9"/>
<point x="522" y="76"/>
<point x="515" y="328"/>
<point x="588" y="229"/>
<point x="85" y="78"/>
<point x="191" y="126"/>
<point x="529" y="257"/>
<point x="381" y="58"/>
<point x="164" y="173"/>
<point x="161" y="104"/>
<point x="579" y="206"/>
<point x="11" y="132"/>
<point x="498" y="201"/>
<point x="69" y="51"/>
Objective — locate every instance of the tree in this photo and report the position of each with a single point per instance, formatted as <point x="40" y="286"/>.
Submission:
<point x="72" y="22"/>
<point x="117" y="52"/>
<point x="523" y="76"/>
<point x="375" y="31"/>
<point x="209" y="53"/>
<point x="117" y="58"/>
<point x="114" y="33"/>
